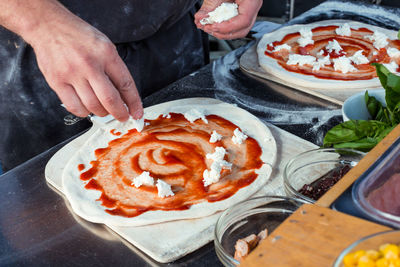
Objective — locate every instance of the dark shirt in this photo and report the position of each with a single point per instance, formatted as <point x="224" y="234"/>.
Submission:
<point x="157" y="40"/>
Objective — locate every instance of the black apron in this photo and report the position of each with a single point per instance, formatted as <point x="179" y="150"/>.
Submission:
<point x="158" y="42"/>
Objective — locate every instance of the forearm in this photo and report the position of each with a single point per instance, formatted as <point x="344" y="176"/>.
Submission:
<point x="29" y="18"/>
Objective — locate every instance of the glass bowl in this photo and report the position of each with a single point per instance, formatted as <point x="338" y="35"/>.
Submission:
<point x="250" y="217"/>
<point x="373" y="242"/>
<point x="311" y="167"/>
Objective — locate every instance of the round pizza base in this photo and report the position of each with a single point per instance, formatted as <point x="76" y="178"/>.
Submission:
<point x="271" y="66"/>
<point x="83" y="201"/>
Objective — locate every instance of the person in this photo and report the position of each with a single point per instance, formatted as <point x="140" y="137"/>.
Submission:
<point x="95" y="57"/>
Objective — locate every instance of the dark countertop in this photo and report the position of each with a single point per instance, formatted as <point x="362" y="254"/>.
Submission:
<point x="36" y="226"/>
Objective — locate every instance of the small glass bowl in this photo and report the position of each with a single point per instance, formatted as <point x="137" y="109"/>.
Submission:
<point x="369" y="242"/>
<point x="309" y="166"/>
<point x="250" y="217"/>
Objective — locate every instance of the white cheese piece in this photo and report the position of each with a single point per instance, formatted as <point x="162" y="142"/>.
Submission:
<point x="393" y="52"/>
<point x="143" y="179"/>
<point x="306" y="37"/>
<point x="343" y="64"/>
<point x="333" y="46"/>
<point x="344" y="30"/>
<point x="238" y="137"/>
<point x="214" y="174"/>
<point x="321" y="62"/>
<point x="219" y="154"/>
<point x="282" y="47"/>
<point x="375" y="53"/>
<point x="164" y="189"/>
<point x="321" y="52"/>
<point x="359" y="58"/>
<point x="296" y="59"/>
<point x="215" y="137"/>
<point x="379" y="38"/>
<point x="193" y="115"/>
<point x="224" y="12"/>
<point x="166" y="115"/>
<point x="392" y="67"/>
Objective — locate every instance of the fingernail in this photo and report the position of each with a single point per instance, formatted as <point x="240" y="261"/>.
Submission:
<point x="138" y="114"/>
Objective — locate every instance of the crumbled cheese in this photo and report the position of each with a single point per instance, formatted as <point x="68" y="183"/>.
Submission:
<point x="321" y="52"/>
<point x="166" y="115"/>
<point x="164" y="189"/>
<point x="392" y="67"/>
<point x="219" y="154"/>
<point x="321" y="62"/>
<point x="214" y="174"/>
<point x="143" y="179"/>
<point x="393" y="52"/>
<point x="146" y="123"/>
<point x="238" y="137"/>
<point x="301" y="60"/>
<point x="380" y="39"/>
<point x="281" y="47"/>
<point x="344" y="30"/>
<point x="193" y="115"/>
<point x="333" y="46"/>
<point x="343" y="64"/>
<point x="359" y="58"/>
<point x="375" y="53"/>
<point x="224" y="12"/>
<point x="215" y="137"/>
<point x="306" y="37"/>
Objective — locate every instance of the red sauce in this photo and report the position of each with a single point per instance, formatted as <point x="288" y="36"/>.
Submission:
<point x="177" y="162"/>
<point x="350" y="44"/>
<point x="114" y="132"/>
<point x="81" y="167"/>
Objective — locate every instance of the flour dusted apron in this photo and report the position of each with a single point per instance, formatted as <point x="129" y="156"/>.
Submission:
<point x="157" y="40"/>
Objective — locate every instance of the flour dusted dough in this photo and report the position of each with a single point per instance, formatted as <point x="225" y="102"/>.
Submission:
<point x="84" y="202"/>
<point x="271" y="66"/>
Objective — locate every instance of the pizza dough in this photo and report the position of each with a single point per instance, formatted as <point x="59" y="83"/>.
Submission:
<point x="85" y="202"/>
<point x="271" y="65"/>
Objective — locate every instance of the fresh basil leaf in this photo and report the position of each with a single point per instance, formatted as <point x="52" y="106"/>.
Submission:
<point x="373" y="105"/>
<point x="393" y="81"/>
<point x="364" y="144"/>
<point x="382" y="73"/>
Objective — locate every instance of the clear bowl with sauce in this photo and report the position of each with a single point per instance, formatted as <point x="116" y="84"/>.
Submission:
<point x="250" y="217"/>
<point x="367" y="243"/>
<point x="310" y="174"/>
<point x="376" y="193"/>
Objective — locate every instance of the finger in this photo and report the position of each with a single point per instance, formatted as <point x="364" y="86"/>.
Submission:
<point x="89" y="98"/>
<point x="230" y="36"/>
<point x="123" y="81"/>
<point x="71" y="101"/>
<point x="233" y="25"/>
<point x="108" y="96"/>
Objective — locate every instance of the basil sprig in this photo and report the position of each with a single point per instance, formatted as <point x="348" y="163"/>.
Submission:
<point x="365" y="134"/>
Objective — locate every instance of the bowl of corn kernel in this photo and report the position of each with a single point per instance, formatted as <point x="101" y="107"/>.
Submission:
<point x="377" y="250"/>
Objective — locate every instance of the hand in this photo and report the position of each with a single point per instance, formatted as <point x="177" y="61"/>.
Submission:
<point x="83" y="67"/>
<point x="237" y="27"/>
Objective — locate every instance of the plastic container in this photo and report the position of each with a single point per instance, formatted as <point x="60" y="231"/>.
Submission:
<point x="308" y="167"/>
<point x="369" y="242"/>
<point x="250" y="217"/>
<point x="367" y="192"/>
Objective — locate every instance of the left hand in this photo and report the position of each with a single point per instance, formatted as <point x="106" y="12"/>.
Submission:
<point x="236" y="27"/>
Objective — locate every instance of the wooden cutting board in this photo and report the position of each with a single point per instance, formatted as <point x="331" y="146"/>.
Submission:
<point x="249" y="64"/>
<point x="312" y="236"/>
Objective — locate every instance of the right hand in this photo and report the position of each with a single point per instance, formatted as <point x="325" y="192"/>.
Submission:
<point x="83" y="67"/>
